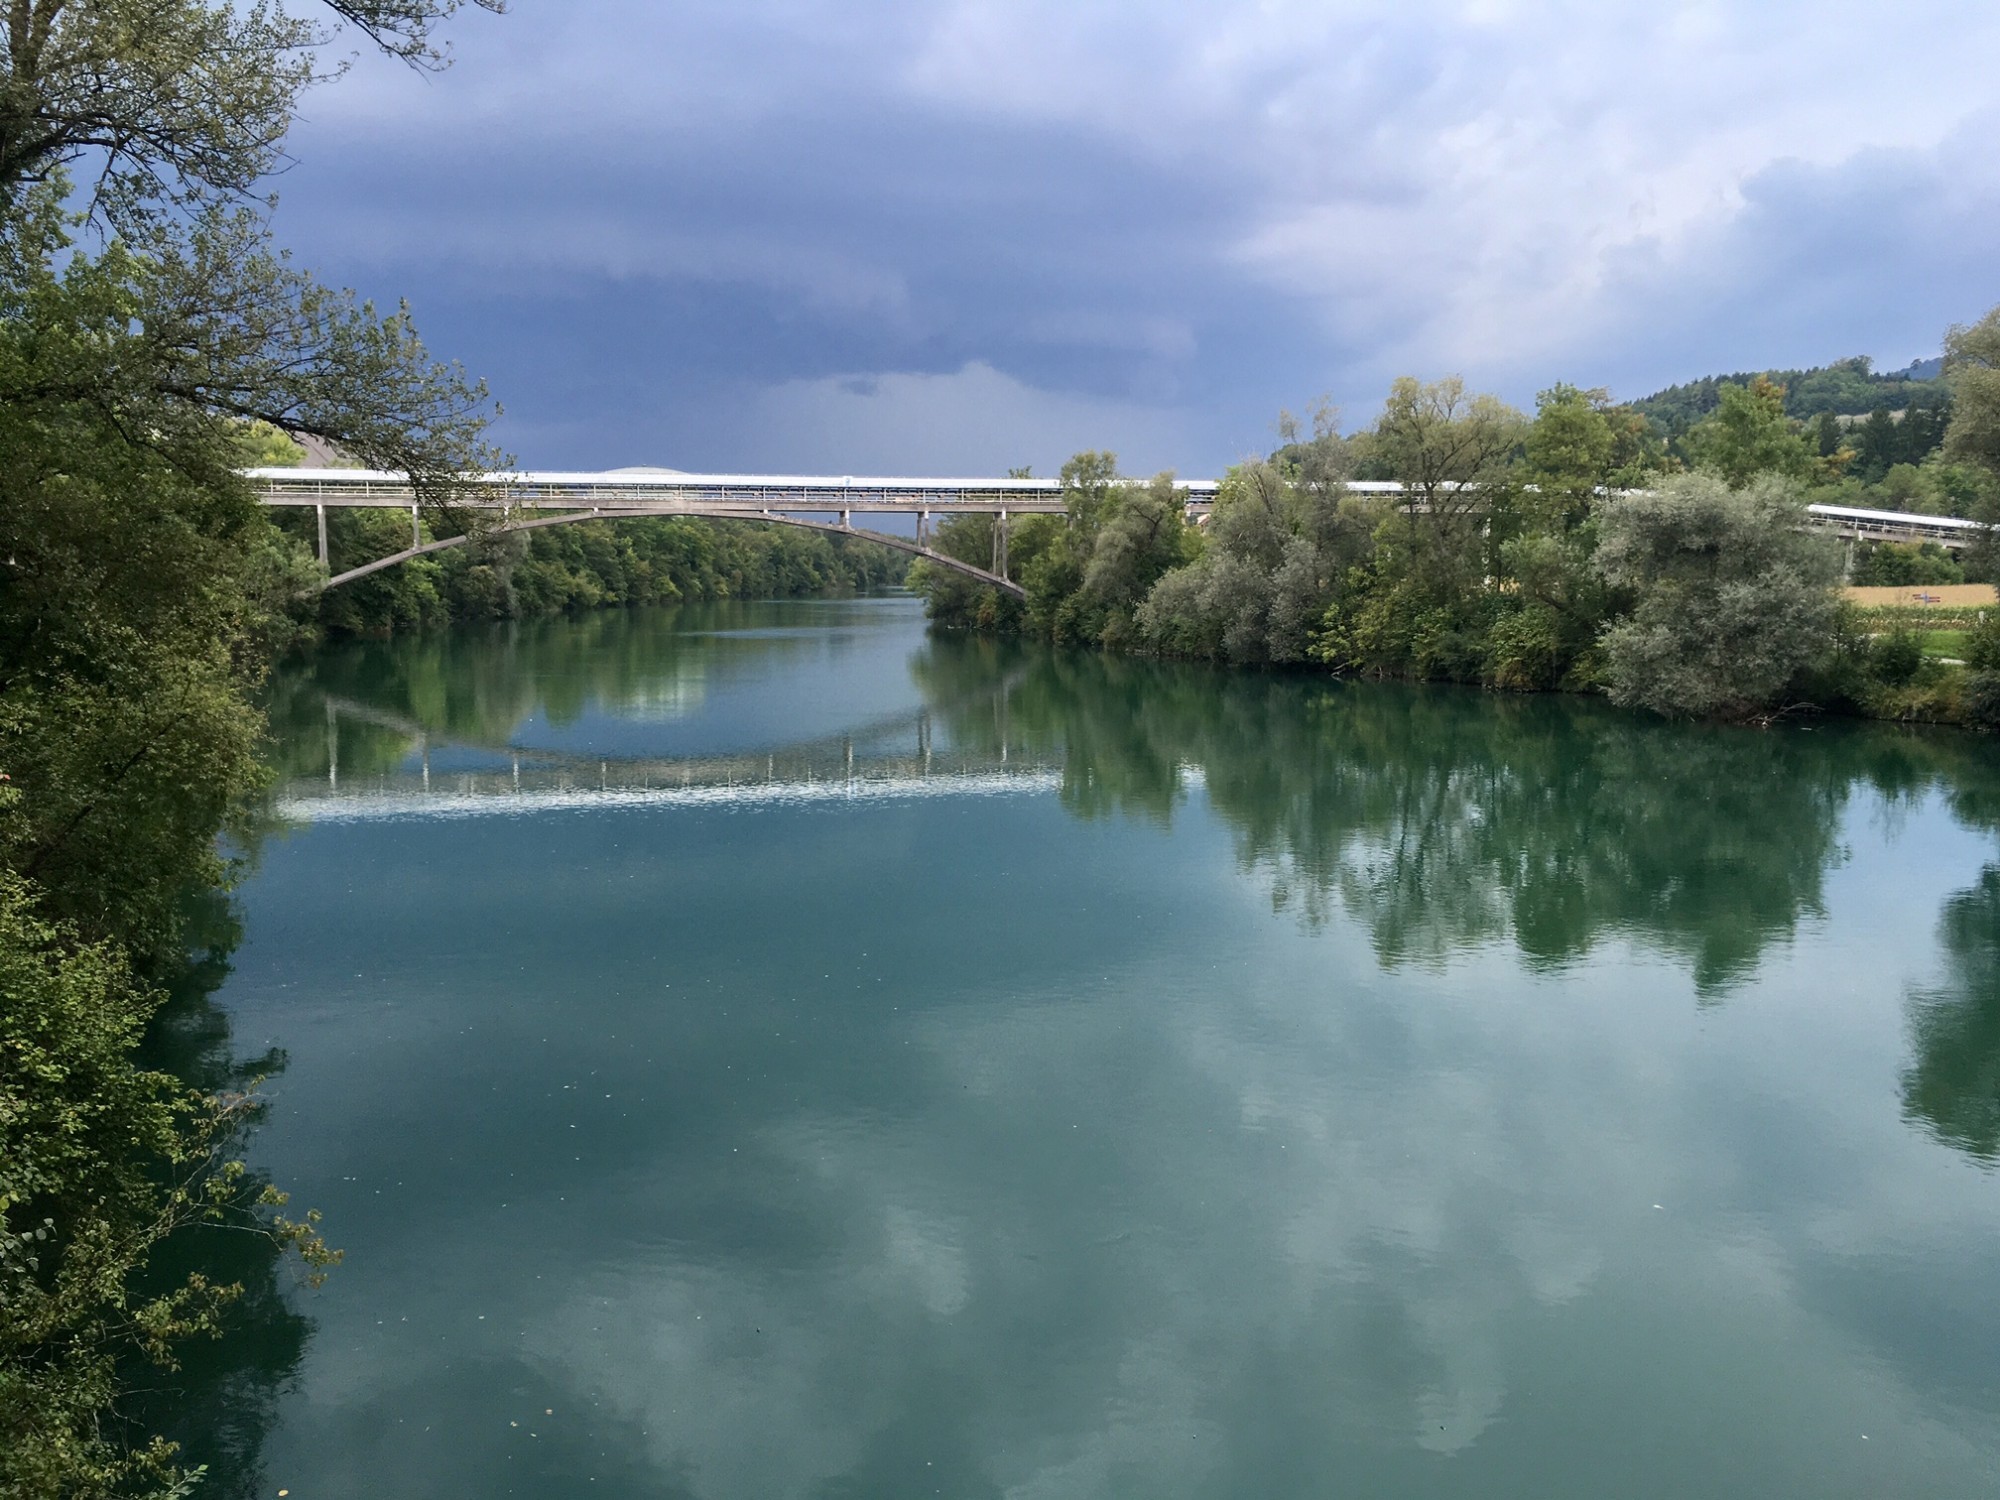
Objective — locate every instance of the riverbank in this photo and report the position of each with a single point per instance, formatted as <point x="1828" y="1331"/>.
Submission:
<point x="589" y="565"/>
<point x="1694" y="599"/>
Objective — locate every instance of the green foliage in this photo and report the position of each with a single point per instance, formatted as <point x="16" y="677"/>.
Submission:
<point x="1896" y="658"/>
<point x="1982" y="642"/>
<point x="1749" y="434"/>
<point x="142" y="594"/>
<point x="179" y="104"/>
<point x="586" y="565"/>
<point x="955" y="601"/>
<point x="1445" y="447"/>
<point x="1278" y="541"/>
<point x="102" y="1163"/>
<point x="259" y="445"/>
<point x="1848" y="387"/>
<point x="1903" y="564"/>
<point x="1085" y="573"/>
<point x="1981" y="699"/>
<point x="1733" y="604"/>
<point x="1972" y="366"/>
<point x="1513" y="558"/>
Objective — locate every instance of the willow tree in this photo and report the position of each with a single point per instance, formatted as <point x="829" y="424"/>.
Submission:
<point x="1734" y="600"/>
<point x="145" y="318"/>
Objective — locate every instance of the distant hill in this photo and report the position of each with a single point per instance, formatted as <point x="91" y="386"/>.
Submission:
<point x="1848" y="388"/>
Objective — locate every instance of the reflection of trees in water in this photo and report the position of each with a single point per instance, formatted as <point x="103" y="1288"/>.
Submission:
<point x="221" y="1404"/>
<point x="1952" y="1088"/>
<point x="1441" y="818"/>
<point x="1437" y="818"/>
<point x="476" y="685"/>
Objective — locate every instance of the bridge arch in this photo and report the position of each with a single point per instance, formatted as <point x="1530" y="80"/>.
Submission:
<point x="916" y="549"/>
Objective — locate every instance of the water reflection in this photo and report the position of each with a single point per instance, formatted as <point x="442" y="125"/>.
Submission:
<point x="1442" y="820"/>
<point x="615" y="683"/>
<point x="221" y="1403"/>
<point x="1016" y="1148"/>
<point x="1953" y="1086"/>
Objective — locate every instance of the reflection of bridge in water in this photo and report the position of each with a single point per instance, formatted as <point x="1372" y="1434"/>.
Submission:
<point x="888" y="758"/>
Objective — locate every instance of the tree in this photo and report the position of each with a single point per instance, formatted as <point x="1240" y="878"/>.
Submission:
<point x="1279" y="538"/>
<point x="1144" y="536"/>
<point x="101" y="1163"/>
<point x="1878" y="445"/>
<point x="221" y="324"/>
<point x="176" y="103"/>
<point x="147" y="326"/>
<point x="1218" y="606"/>
<point x="1733" y="600"/>
<point x="1444" y="445"/>
<point x="1568" y="453"/>
<point x="1749" y="434"/>
<point x="1972" y="366"/>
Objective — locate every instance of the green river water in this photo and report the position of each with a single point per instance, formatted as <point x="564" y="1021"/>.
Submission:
<point x="764" y="1051"/>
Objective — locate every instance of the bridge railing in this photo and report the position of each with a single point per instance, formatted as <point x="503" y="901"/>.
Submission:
<point x="619" y="490"/>
<point x="642" y="492"/>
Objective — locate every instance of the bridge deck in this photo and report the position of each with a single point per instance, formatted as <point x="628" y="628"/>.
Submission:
<point x="648" y="492"/>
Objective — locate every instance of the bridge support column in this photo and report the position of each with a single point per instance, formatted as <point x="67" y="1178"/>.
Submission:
<point x="846" y="521"/>
<point x="416" y="527"/>
<point x="1000" y="545"/>
<point x="322" y="535"/>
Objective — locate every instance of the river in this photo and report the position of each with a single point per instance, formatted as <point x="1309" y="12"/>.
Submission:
<point x="763" y="1051"/>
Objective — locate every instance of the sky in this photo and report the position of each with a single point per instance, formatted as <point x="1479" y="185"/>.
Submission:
<point x="953" y="237"/>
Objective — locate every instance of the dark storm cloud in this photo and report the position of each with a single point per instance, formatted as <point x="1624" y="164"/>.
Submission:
<point x="632" y="284"/>
<point x="789" y="233"/>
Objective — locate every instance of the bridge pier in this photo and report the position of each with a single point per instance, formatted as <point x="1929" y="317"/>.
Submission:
<point x="322" y="535"/>
<point x="416" y="526"/>
<point x="1000" y="544"/>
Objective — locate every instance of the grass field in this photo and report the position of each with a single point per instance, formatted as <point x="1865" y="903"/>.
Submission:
<point x="1946" y="643"/>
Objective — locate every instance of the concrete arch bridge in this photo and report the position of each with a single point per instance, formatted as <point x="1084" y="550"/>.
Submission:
<point x="529" y="501"/>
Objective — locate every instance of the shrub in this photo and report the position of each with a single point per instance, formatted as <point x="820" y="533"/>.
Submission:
<point x="1982" y="642"/>
<point x="1980" y="703"/>
<point x="1896" y="658"/>
<point x="1734" y="602"/>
